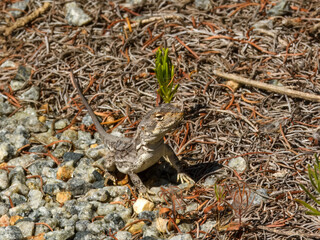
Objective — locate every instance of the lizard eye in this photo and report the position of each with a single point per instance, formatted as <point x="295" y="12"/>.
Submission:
<point x="159" y="117"/>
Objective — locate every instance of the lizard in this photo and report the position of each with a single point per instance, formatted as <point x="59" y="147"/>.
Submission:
<point x="134" y="155"/>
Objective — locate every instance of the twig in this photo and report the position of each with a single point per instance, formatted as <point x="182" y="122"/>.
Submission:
<point x="24" y="20"/>
<point x="269" y="87"/>
<point x="289" y="233"/>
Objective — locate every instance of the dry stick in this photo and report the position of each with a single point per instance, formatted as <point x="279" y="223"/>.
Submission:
<point x="289" y="233"/>
<point x="268" y="87"/>
<point x="24" y="20"/>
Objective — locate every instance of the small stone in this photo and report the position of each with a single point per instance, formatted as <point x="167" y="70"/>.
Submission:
<point x="35" y="199"/>
<point x="142" y="205"/>
<point x="97" y="152"/>
<point x="208" y="226"/>
<point x="69" y="135"/>
<point x="78" y="186"/>
<point x="150" y="215"/>
<point x="72" y="156"/>
<point x="62" y="197"/>
<point x="6" y="150"/>
<point x="22" y="5"/>
<point x="85" y="210"/>
<point x="31" y="94"/>
<point x="75" y="15"/>
<point x="81" y="225"/>
<point x="26" y="227"/>
<point x="123" y="235"/>
<point x="182" y="237"/>
<point x="203" y="4"/>
<point x="23" y="161"/>
<point x="280" y="9"/>
<point x="45" y="138"/>
<point x="4" y="221"/>
<point x="42" y="119"/>
<point x="11" y="233"/>
<point x="4" y="180"/>
<point x="58" y="235"/>
<point x="150" y="233"/>
<point x="238" y="164"/>
<point x="16" y="85"/>
<point x="65" y="172"/>
<point x="258" y="197"/>
<point x="22" y="209"/>
<point x="53" y="186"/>
<point x="4" y="208"/>
<point x="15" y="218"/>
<point x="136" y="227"/>
<point x="162" y="225"/>
<point x="8" y="64"/>
<point x="5" y="107"/>
<point x="61" y="124"/>
<point x="101" y="195"/>
<point x="114" y="221"/>
<point x="85" y="170"/>
<point x="83" y="235"/>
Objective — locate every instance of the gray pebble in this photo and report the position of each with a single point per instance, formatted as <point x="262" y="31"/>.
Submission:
<point x="5" y="107"/>
<point x="22" y="209"/>
<point x="35" y="199"/>
<point x="83" y="235"/>
<point x="81" y="225"/>
<point x="58" y="235"/>
<point x="10" y="233"/>
<point x="31" y="94"/>
<point x="4" y="180"/>
<point x="181" y="237"/>
<point x="26" y="228"/>
<point x="22" y="5"/>
<point x="203" y="4"/>
<point x="75" y="15"/>
<point x="123" y="235"/>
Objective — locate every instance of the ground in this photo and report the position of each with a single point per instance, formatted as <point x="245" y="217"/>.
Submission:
<point x="113" y="56"/>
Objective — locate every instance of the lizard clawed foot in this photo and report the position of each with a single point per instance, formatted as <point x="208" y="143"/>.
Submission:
<point x="146" y="195"/>
<point x="184" y="178"/>
<point x="108" y="176"/>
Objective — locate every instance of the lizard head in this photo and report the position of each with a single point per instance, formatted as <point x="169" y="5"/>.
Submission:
<point x="158" y="122"/>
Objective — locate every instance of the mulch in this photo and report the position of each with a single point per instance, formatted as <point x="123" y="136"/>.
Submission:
<point x="114" y="58"/>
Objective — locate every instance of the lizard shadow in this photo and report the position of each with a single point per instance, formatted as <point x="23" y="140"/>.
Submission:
<point x="163" y="173"/>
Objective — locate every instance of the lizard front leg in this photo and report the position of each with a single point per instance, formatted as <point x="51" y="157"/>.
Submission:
<point x="143" y="191"/>
<point x="172" y="158"/>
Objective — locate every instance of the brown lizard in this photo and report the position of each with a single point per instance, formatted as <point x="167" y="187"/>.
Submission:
<point x="133" y="155"/>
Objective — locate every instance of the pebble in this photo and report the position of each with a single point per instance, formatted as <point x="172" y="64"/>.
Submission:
<point x="75" y="15"/>
<point x="239" y="164"/>
<point x="26" y="228"/>
<point x="4" y="180"/>
<point x="142" y="205"/>
<point x="5" y="107"/>
<point x="181" y="237"/>
<point x="22" y="76"/>
<point x="203" y="4"/>
<point x="10" y="233"/>
<point x="123" y="235"/>
<point x="31" y="94"/>
<point x="22" y="5"/>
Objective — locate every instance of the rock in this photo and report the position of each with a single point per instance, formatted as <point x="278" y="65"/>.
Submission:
<point x="35" y="199"/>
<point x="101" y="195"/>
<point x="4" y="220"/>
<point x="123" y="235"/>
<point x="182" y="237"/>
<point x="163" y="225"/>
<point x="22" y="161"/>
<point x="83" y="235"/>
<point x="75" y="15"/>
<point x="78" y="186"/>
<point x="81" y="225"/>
<point x="280" y="9"/>
<point x="150" y="233"/>
<point x="142" y="205"/>
<point x="62" y="197"/>
<point x="26" y="228"/>
<point x="6" y="150"/>
<point x="4" y="208"/>
<point x="22" y="209"/>
<point x="58" y="235"/>
<point x="238" y="164"/>
<point x="72" y="156"/>
<point x="22" y="5"/>
<point x="203" y="5"/>
<point x="257" y="197"/>
<point x="4" y="180"/>
<point x="11" y="233"/>
<point x="5" y="107"/>
<point x="65" y="172"/>
<point x="114" y="222"/>
<point x="8" y="64"/>
<point x="61" y="124"/>
<point x="22" y="76"/>
<point x="32" y="94"/>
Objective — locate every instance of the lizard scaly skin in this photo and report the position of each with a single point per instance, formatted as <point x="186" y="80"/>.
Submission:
<point x="133" y="155"/>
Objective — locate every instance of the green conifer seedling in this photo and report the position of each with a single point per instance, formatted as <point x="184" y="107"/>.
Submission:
<point x="165" y="74"/>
